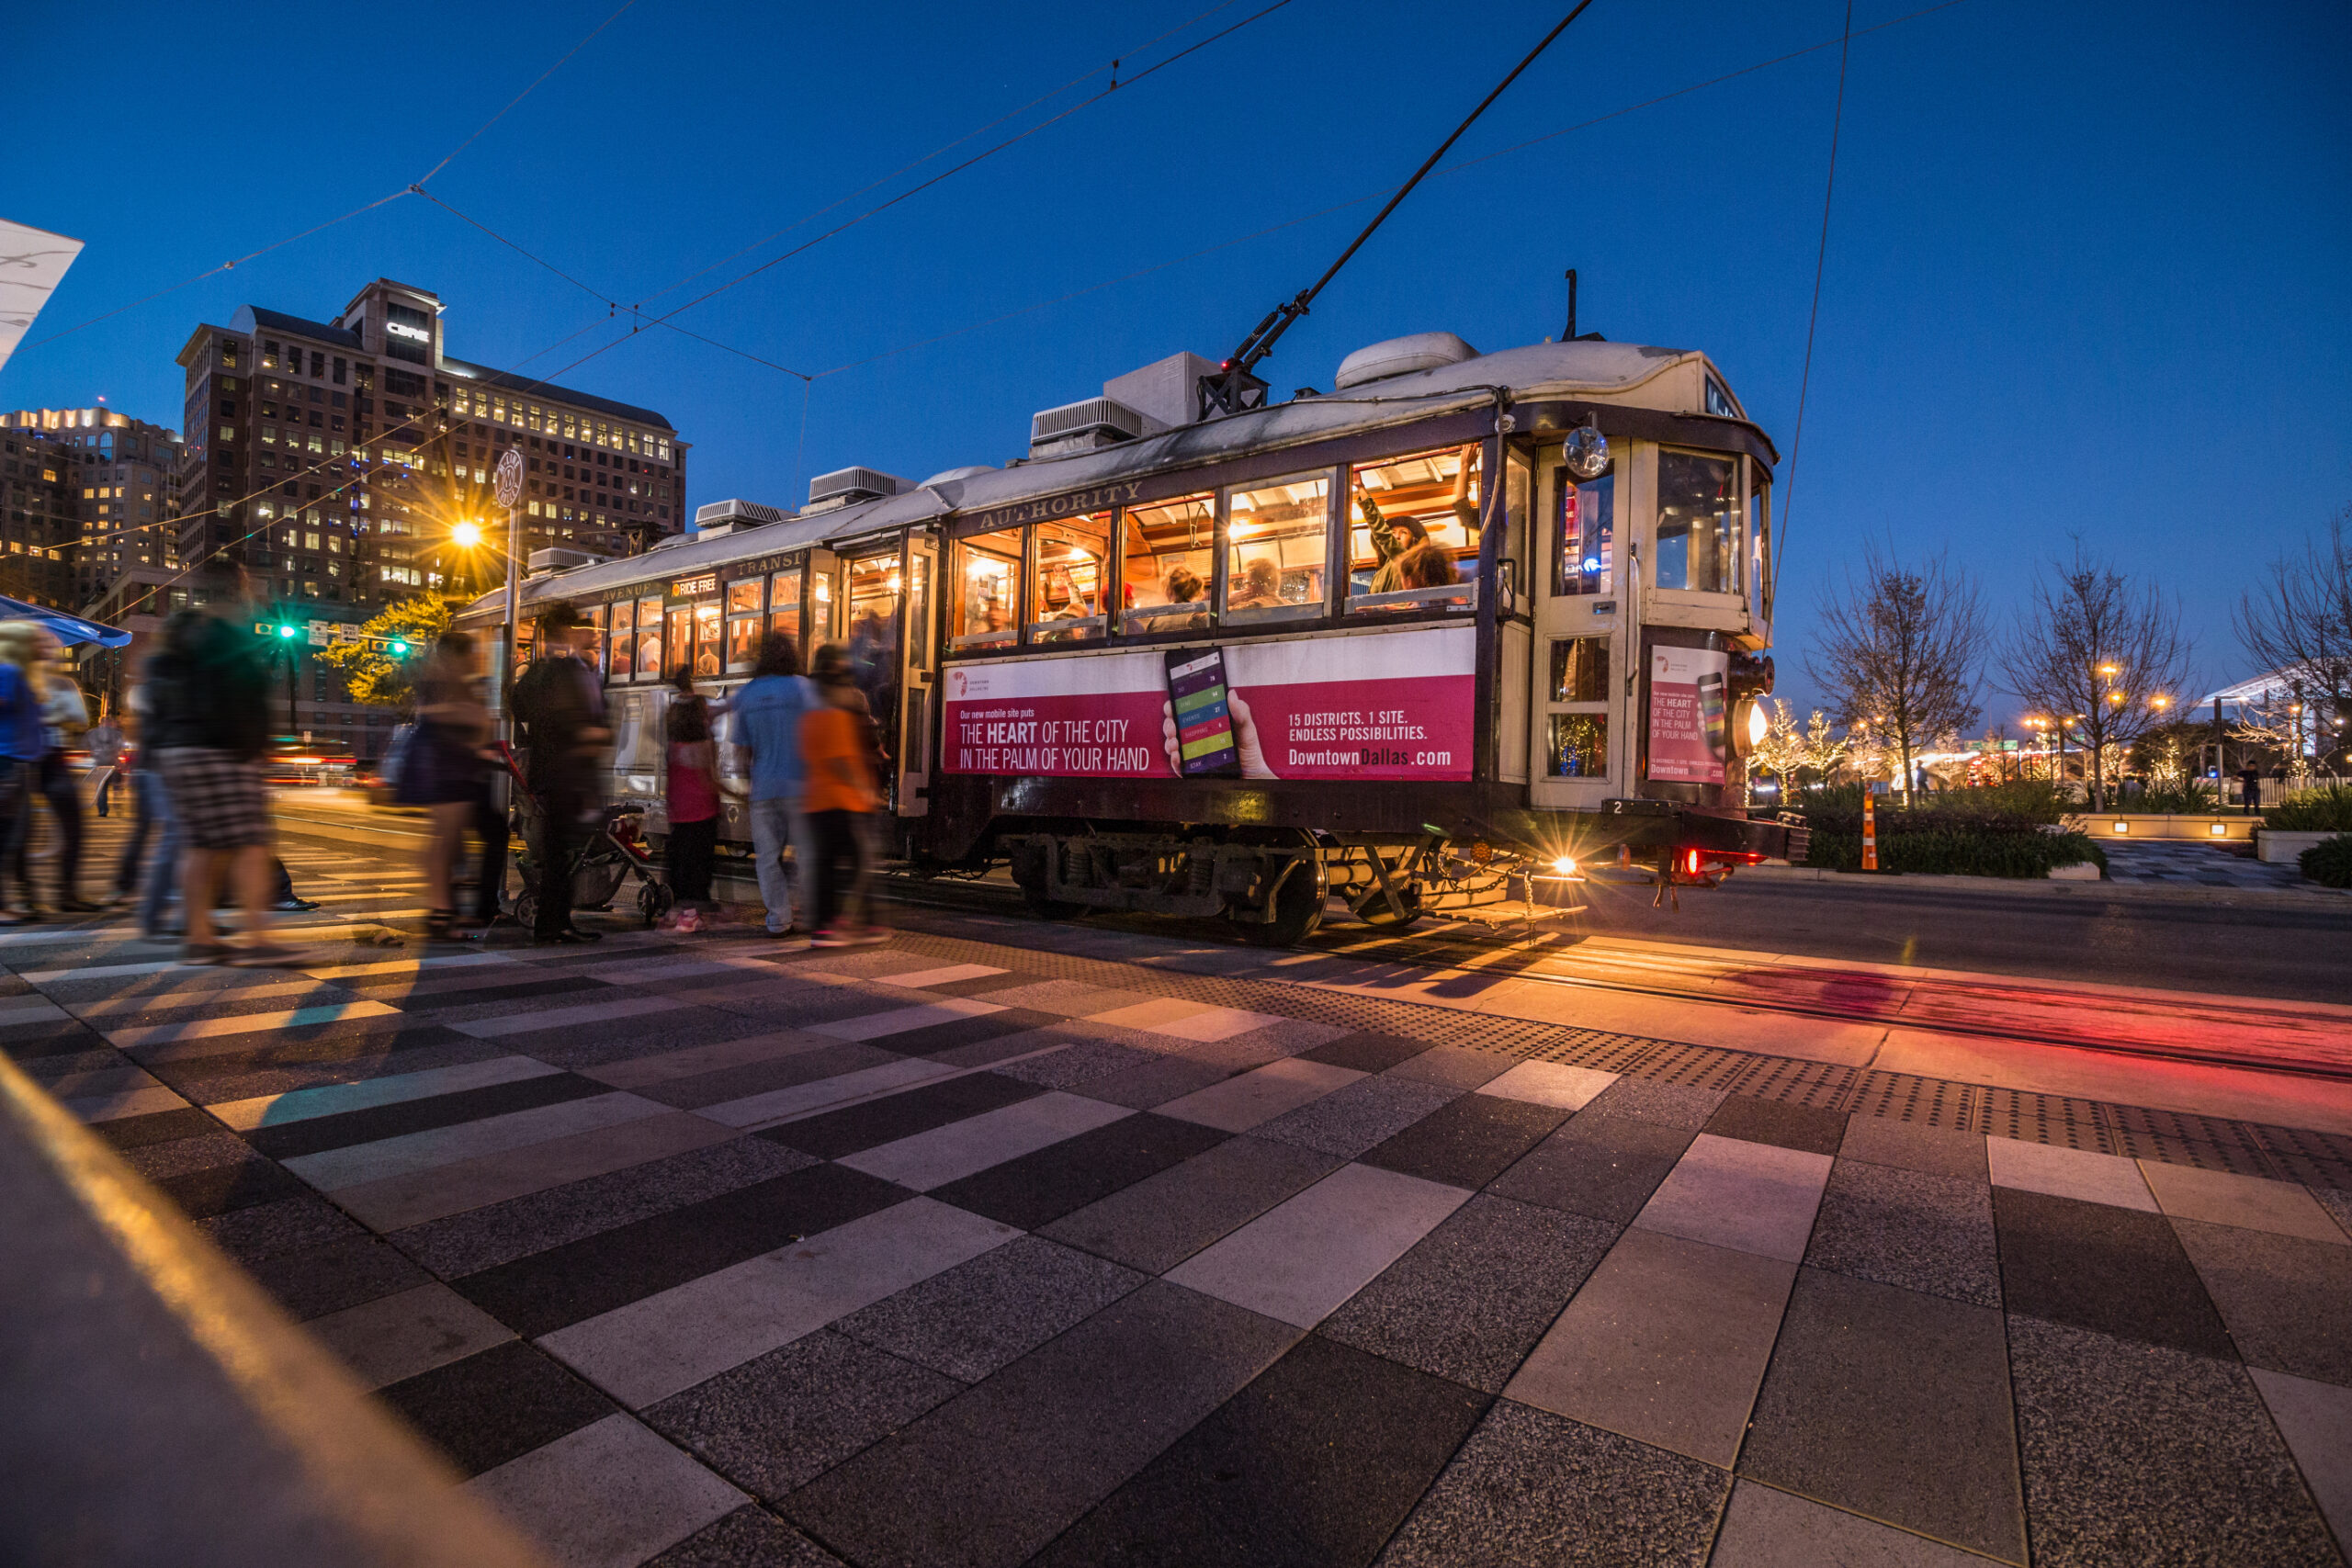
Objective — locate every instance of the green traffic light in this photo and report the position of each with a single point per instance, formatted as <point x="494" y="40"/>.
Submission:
<point x="289" y="631"/>
<point x="399" y="649"/>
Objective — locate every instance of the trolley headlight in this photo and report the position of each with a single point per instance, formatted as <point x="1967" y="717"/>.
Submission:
<point x="1565" y="865"/>
<point x="1588" y="450"/>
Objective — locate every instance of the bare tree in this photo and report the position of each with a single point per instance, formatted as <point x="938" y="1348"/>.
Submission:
<point x="1898" y="652"/>
<point x="2102" y="655"/>
<point x="2298" y="624"/>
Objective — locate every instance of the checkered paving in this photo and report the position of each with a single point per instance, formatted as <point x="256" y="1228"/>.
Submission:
<point x="2187" y="864"/>
<point x="703" y="1251"/>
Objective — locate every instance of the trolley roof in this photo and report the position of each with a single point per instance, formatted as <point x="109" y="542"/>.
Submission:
<point x="1583" y="368"/>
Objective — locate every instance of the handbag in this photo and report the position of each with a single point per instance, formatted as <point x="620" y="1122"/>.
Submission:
<point x="419" y="781"/>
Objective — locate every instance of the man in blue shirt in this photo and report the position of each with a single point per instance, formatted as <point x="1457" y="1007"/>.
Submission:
<point x="767" y="717"/>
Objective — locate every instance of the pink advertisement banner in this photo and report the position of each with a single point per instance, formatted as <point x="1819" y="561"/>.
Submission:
<point x="1689" y="737"/>
<point x="1378" y="705"/>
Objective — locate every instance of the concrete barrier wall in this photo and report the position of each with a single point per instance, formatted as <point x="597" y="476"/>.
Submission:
<point x="2125" y="826"/>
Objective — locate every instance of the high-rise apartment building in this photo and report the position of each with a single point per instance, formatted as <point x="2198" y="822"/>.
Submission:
<point x="337" y="459"/>
<point x="89" y="493"/>
<point x="115" y="487"/>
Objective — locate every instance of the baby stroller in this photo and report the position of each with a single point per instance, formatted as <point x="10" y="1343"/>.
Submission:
<point x="604" y="863"/>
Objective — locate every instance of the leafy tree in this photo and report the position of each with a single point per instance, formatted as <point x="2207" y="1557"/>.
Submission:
<point x="1898" y="650"/>
<point x="371" y="672"/>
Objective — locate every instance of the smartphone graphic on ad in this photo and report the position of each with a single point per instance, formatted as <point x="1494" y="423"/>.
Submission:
<point x="1196" y="695"/>
<point x="1711" y="711"/>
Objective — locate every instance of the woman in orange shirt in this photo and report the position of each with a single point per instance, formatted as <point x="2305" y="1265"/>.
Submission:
<point x="836" y="751"/>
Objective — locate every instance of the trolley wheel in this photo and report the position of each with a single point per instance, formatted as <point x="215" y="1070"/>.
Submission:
<point x="654" y="901"/>
<point x="1380" y="917"/>
<point x="1298" y="909"/>
<point x="1029" y="875"/>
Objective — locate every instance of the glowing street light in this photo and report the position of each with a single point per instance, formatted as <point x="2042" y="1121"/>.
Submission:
<point x="466" y="534"/>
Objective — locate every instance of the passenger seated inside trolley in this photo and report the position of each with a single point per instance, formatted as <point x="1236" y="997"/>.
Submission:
<point x="1168" y="564"/>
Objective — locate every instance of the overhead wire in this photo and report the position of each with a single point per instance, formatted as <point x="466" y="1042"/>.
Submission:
<point x="526" y="93"/>
<point x="1813" y="318"/>
<point x="978" y="157"/>
<point x="416" y="188"/>
<point x="941" y="151"/>
<point x="1451" y="169"/>
<point x="664" y="320"/>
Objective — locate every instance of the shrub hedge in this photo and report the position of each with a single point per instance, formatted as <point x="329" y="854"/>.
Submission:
<point x="2328" y="863"/>
<point x="2000" y="830"/>
<point x="2324" y="810"/>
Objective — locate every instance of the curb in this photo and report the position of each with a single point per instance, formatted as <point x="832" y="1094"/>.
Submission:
<point x="2313" y="897"/>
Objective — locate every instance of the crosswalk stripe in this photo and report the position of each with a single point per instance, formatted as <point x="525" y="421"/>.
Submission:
<point x="562" y="1018"/>
<point x="897" y="1020"/>
<point x="394" y="1088"/>
<point x="246" y="1023"/>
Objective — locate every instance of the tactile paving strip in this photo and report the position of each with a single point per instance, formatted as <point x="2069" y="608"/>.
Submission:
<point x="2318" y="1159"/>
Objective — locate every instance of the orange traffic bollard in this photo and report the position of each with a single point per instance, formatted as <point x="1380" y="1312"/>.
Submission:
<point x="1870" y="832"/>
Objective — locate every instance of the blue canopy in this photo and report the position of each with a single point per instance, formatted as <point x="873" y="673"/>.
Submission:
<point x="64" y="627"/>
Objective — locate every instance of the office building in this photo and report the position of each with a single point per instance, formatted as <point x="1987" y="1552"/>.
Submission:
<point x="338" y="462"/>
<point x="89" y="493"/>
<point x="337" y="459"/>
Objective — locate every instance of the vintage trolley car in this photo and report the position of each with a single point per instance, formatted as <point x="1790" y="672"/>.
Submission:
<point x="1420" y="643"/>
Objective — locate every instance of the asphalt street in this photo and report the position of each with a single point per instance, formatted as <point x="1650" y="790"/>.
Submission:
<point x="2253" y="946"/>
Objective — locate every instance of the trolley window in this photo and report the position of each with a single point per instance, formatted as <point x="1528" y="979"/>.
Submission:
<point x="1170" y="559"/>
<point x="710" y="640"/>
<point x="1413" y="541"/>
<point x="874" y="586"/>
<point x="649" y="638"/>
<point x="988" y="587"/>
<point x="1584" y="533"/>
<point x="622" y="659"/>
<point x="597" y="644"/>
<point x="1577" y="699"/>
<point x="678" y="652"/>
<point x="1698" y="522"/>
<point x="1759" y="542"/>
<point x="784" y="607"/>
<point x="743" y="607"/>
<point x="1277" y="539"/>
<point x="1071" y="576"/>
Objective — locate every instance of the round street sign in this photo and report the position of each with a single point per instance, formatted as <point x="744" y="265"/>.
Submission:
<point x="509" y="478"/>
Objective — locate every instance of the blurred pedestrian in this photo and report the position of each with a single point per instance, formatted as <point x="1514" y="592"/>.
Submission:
<point x="767" y="715"/>
<point x="837" y="744"/>
<point x="64" y="715"/>
<point x="105" y="741"/>
<point x="443" y="769"/>
<point x="153" y="808"/>
<point x="207" y="726"/>
<point x="691" y="791"/>
<point x="21" y="740"/>
<point x="561" y="702"/>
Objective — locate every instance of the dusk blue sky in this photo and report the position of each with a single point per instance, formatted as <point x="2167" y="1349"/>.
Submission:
<point x="2088" y="270"/>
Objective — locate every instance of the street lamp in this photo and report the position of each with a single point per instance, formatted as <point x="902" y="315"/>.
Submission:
<point x="465" y="536"/>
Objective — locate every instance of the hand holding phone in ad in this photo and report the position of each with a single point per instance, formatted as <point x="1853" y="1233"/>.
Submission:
<point x="1205" y="727"/>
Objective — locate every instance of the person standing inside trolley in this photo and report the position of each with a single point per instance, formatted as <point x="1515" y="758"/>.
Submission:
<point x="767" y="713"/>
<point x="561" y="704"/>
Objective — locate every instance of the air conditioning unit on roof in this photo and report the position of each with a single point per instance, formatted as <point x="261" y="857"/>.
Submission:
<point x="1082" y="426"/>
<point x="560" y="558"/>
<point x="845" y="486"/>
<point x="721" y="517"/>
